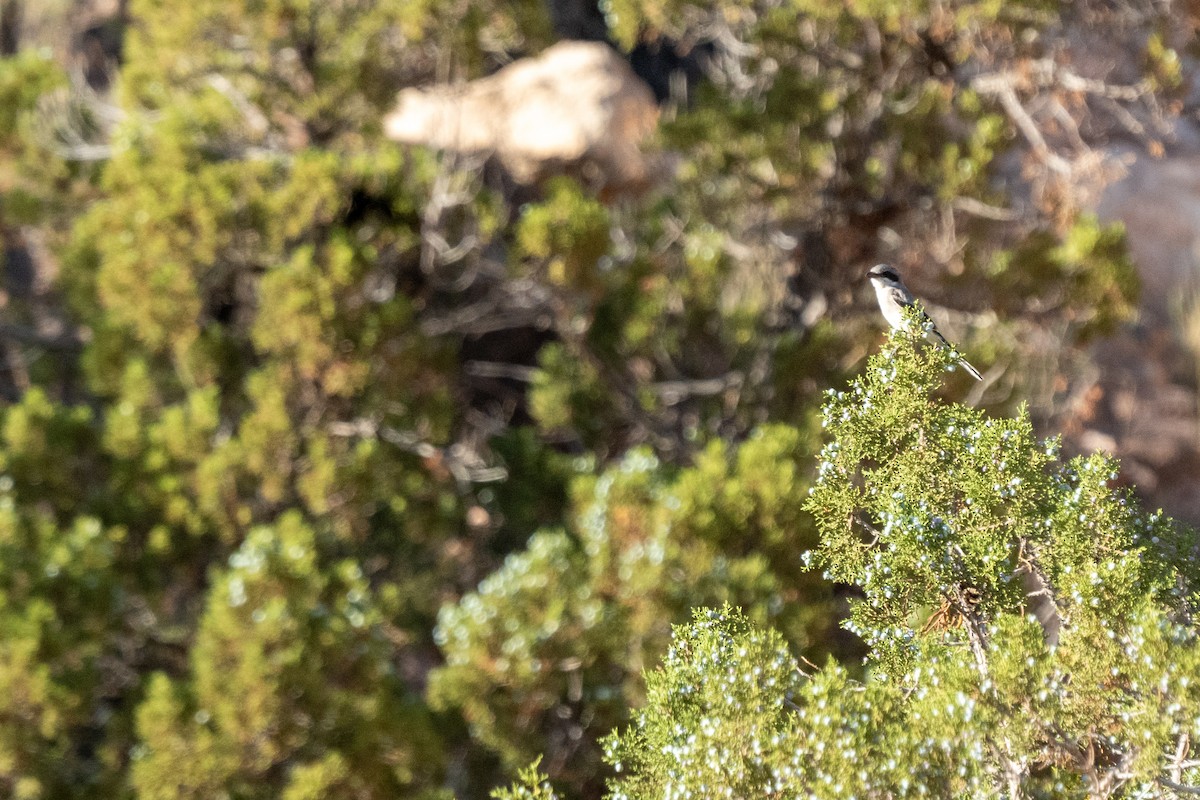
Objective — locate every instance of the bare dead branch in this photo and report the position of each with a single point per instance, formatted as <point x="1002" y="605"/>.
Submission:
<point x="75" y="122"/>
<point x="495" y="369"/>
<point x="1051" y="72"/>
<point x="1002" y="86"/>
<point x="480" y="318"/>
<point x="1179" y="788"/>
<point x="978" y="208"/>
<point x="458" y="459"/>
<point x="673" y="392"/>
<point x="1181" y="750"/>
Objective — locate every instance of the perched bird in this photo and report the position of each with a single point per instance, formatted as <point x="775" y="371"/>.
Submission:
<point x="894" y="297"/>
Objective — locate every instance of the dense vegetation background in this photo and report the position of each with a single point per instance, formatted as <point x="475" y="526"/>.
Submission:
<point x="335" y="468"/>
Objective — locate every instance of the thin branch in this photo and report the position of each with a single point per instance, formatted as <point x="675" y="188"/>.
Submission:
<point x="20" y="333"/>
<point x="1002" y="87"/>
<point x="673" y="392"/>
<point x="976" y="635"/>
<point x="1057" y="74"/>
<point x="481" y="318"/>
<point x="74" y="122"/>
<point x="1181" y="751"/>
<point x="1179" y="787"/>
<point x="978" y="208"/>
<point x="496" y="369"/>
<point x="867" y="526"/>
<point x="458" y="459"/>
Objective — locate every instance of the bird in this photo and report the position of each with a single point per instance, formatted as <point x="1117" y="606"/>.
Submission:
<point x="894" y="297"/>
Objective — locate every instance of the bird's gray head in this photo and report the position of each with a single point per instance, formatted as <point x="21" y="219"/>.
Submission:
<point x="885" y="273"/>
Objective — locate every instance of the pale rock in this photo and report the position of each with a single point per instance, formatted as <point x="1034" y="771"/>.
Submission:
<point x="1159" y="204"/>
<point x="577" y="107"/>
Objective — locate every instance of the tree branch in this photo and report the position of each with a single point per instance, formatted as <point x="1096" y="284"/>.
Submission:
<point x="1181" y="788"/>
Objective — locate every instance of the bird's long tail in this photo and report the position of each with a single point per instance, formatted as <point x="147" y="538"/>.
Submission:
<point x="974" y="373"/>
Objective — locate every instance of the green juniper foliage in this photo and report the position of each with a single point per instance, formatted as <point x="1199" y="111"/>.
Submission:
<point x="546" y="655"/>
<point x="531" y="785"/>
<point x="331" y="467"/>
<point x="956" y="526"/>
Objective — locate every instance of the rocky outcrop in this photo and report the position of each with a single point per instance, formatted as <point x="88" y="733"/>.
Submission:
<point x="1143" y="404"/>
<point x="1159" y="204"/>
<point x="577" y="108"/>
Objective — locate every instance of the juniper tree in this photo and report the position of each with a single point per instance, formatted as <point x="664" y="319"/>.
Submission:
<point x="956" y="526"/>
<point x="546" y="656"/>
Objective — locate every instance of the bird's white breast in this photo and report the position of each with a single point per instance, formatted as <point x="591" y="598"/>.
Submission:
<point x="891" y="302"/>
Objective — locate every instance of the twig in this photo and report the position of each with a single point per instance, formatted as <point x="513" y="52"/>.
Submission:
<point x="809" y="663"/>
